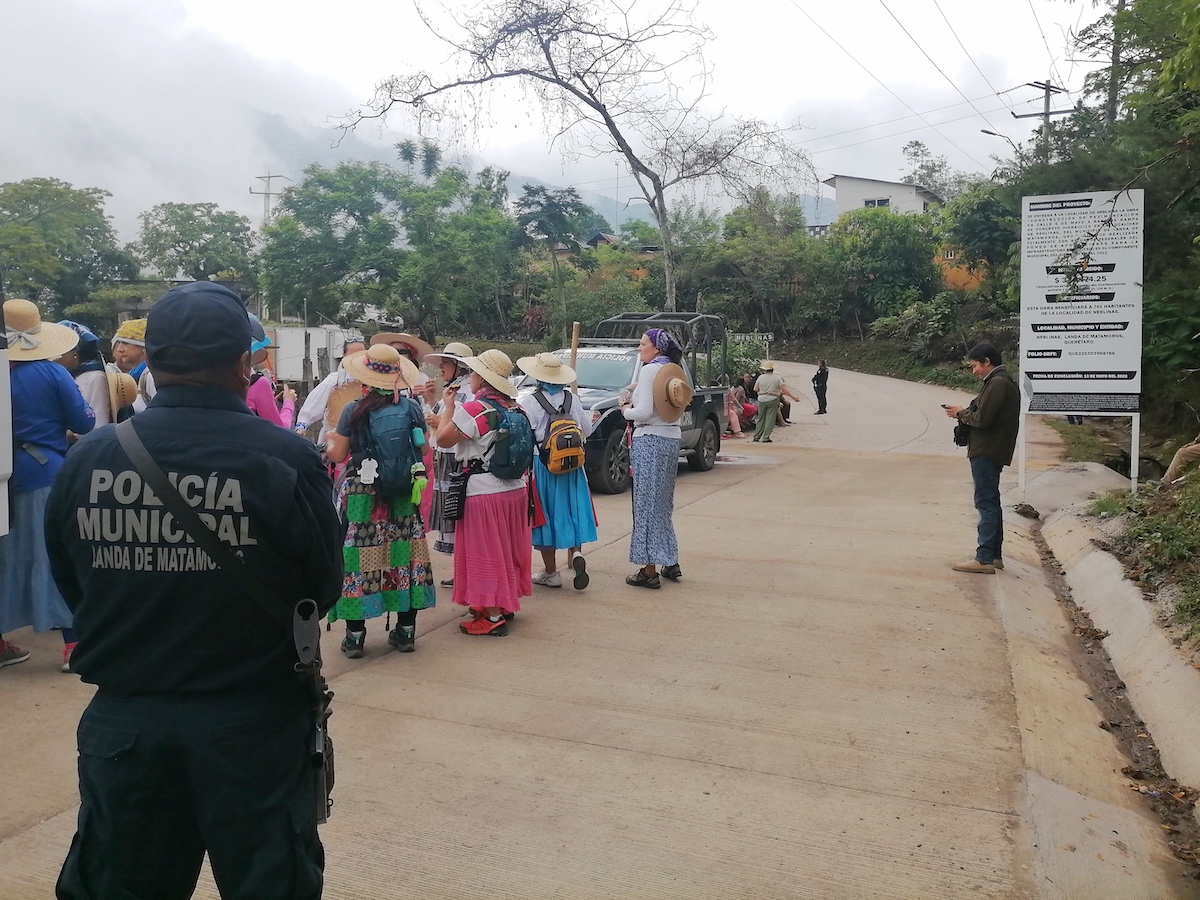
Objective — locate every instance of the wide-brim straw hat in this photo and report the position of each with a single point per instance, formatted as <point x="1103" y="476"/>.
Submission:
<point x="382" y="366"/>
<point x="339" y="397"/>
<point x="548" y="368"/>
<point x="455" y="350"/>
<point x="122" y="390"/>
<point x="494" y="367"/>
<point x="29" y="338"/>
<point x="672" y="393"/>
<point x="417" y="347"/>
<point x="767" y="366"/>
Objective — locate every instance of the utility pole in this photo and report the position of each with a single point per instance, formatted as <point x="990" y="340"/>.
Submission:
<point x="267" y="194"/>
<point x="1048" y="90"/>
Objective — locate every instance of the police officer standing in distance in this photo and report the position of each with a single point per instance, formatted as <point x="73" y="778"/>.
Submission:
<point x="199" y="736"/>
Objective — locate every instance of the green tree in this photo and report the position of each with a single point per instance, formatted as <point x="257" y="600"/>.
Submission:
<point x="887" y="259"/>
<point x="982" y="224"/>
<point x="558" y="219"/>
<point x="196" y="239"/>
<point x="759" y="259"/>
<point x="57" y="244"/>
<point x="336" y="240"/>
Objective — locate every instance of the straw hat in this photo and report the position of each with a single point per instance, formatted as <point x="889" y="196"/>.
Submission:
<point x="131" y="331"/>
<point x="382" y="366"/>
<point x="548" y="368"/>
<point x="672" y="393"/>
<point x="339" y="397"/>
<point x="29" y="338"/>
<point x="416" y="346"/>
<point x="122" y="390"/>
<point x="455" y="350"/>
<point x="494" y="367"/>
<point x="767" y="366"/>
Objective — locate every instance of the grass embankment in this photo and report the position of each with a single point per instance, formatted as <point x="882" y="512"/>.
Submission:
<point x="1081" y="443"/>
<point x="876" y="357"/>
<point x="1161" y="545"/>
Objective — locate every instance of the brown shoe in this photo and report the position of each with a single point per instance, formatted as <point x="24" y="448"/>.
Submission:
<point x="997" y="564"/>
<point x="974" y="567"/>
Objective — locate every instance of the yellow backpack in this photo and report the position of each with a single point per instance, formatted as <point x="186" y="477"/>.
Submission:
<point x="562" y="450"/>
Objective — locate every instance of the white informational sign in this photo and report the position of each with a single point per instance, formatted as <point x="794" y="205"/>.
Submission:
<point x="753" y="337"/>
<point x="1081" y="302"/>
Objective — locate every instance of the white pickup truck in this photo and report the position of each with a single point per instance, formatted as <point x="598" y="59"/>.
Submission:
<point x="6" y="438"/>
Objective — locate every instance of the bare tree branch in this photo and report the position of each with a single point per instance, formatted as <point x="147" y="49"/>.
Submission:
<point x="610" y="81"/>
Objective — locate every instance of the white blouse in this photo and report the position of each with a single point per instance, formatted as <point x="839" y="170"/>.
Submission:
<point x="643" y="413"/>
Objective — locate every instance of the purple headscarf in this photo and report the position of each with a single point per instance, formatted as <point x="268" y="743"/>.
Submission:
<point x="665" y="342"/>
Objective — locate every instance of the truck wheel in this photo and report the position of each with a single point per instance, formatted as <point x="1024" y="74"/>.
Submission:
<point x="704" y="457"/>
<point x="612" y="475"/>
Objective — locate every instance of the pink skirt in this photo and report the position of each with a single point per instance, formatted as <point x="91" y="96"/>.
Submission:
<point x="493" y="551"/>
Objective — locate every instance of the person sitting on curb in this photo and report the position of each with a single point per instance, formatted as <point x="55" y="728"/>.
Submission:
<point x="1188" y="453"/>
<point x="993" y="417"/>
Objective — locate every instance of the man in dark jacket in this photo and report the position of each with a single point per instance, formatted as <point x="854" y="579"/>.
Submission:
<point x="198" y="738"/>
<point x="820" y="385"/>
<point x="994" y="418"/>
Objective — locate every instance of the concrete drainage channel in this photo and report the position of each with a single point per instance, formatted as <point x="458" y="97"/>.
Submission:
<point x="1111" y="794"/>
<point x="1172" y="802"/>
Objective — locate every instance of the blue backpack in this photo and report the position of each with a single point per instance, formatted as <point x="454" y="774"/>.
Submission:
<point x="390" y="443"/>
<point x="512" y="451"/>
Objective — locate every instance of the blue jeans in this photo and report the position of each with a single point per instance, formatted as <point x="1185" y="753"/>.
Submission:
<point x="985" y="472"/>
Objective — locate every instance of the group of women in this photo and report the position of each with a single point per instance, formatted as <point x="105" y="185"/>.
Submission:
<point x="61" y="388"/>
<point x="491" y="524"/>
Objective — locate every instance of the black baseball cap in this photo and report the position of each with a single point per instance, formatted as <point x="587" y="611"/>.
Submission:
<point x="206" y="322"/>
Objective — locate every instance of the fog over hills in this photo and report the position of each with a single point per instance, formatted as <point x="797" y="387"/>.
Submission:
<point x="121" y="95"/>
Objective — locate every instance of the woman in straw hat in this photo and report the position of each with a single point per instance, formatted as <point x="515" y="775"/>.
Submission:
<point x="564" y="497"/>
<point x="456" y="375"/>
<point x="492" y="542"/>
<point x="46" y="404"/>
<point x="386" y="559"/>
<point x="659" y="398"/>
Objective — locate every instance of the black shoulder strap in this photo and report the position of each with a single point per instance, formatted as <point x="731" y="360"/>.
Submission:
<point x="303" y="624"/>
<point x="545" y="404"/>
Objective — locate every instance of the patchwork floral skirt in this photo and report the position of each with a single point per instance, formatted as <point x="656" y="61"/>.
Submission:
<point x="385" y="556"/>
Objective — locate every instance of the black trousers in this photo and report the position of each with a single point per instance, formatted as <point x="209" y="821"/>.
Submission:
<point x="819" y="390"/>
<point x="163" y="779"/>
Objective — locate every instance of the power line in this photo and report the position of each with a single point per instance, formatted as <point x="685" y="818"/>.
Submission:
<point x="1046" y="43"/>
<point x="917" y="44"/>
<point x="894" y="134"/>
<point x="884" y="86"/>
<point x="968" y="52"/>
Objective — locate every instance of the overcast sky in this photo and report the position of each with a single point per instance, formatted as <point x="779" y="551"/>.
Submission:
<point x="189" y="100"/>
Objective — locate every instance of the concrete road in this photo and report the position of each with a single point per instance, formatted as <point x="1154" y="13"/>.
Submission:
<point x="821" y="708"/>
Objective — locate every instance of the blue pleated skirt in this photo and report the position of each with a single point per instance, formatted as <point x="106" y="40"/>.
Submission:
<point x="28" y="594"/>
<point x="567" y="503"/>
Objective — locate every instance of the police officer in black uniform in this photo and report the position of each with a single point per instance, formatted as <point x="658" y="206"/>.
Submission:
<point x="198" y="737"/>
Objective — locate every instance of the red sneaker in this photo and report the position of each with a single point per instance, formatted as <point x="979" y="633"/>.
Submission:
<point x="68" y="649"/>
<point x="484" y="626"/>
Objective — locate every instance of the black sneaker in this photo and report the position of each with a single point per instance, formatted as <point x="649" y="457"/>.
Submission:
<point x="641" y="579"/>
<point x="582" y="579"/>
<point x="403" y="638"/>
<point x="447" y="582"/>
<point x="353" y="644"/>
<point x="672" y="572"/>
